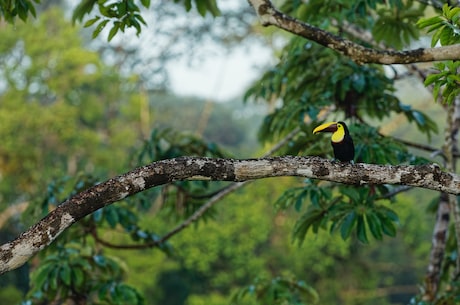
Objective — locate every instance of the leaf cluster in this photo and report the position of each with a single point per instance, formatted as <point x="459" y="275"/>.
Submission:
<point x="278" y="291"/>
<point x="202" y="6"/>
<point x="446" y="27"/>
<point x="340" y="208"/>
<point x="446" y="81"/>
<point x="124" y="14"/>
<point x="9" y="10"/>
<point x="395" y="25"/>
<point x="309" y="79"/>
<point x="79" y="273"/>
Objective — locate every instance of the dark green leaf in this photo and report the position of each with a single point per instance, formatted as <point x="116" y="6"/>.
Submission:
<point x="375" y="226"/>
<point x="201" y="7"/>
<point x="91" y="21"/>
<point x="114" y="30"/>
<point x="361" y="230"/>
<point x="145" y="3"/>
<point x="388" y="227"/>
<point x="100" y="27"/>
<point x="348" y="225"/>
<point x="65" y="274"/>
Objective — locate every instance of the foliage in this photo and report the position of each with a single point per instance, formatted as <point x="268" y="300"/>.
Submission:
<point x="9" y="10"/>
<point x="445" y="27"/>
<point x="76" y="273"/>
<point x="121" y="14"/>
<point x="78" y="104"/>
<point x="392" y="23"/>
<point x="358" y="92"/>
<point x="446" y="30"/>
<point x="354" y="209"/>
<point x="447" y="79"/>
<point x="88" y="114"/>
<point x="278" y="291"/>
<point x="396" y="27"/>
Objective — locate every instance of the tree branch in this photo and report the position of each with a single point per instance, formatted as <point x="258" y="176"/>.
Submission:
<point x="269" y="15"/>
<point x="36" y="238"/>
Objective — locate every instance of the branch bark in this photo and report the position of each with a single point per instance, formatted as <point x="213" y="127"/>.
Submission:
<point x="269" y="15"/>
<point x="17" y="252"/>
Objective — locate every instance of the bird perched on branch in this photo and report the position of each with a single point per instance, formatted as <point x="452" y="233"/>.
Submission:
<point x="342" y="143"/>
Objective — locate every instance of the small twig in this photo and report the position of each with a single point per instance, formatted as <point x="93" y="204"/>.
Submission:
<point x="397" y="190"/>
<point x="424" y="147"/>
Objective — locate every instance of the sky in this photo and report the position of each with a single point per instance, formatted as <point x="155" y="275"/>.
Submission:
<point x="217" y="73"/>
<point x="221" y="77"/>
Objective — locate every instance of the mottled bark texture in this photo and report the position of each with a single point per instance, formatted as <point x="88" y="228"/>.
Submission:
<point x="17" y="252"/>
<point x="269" y="15"/>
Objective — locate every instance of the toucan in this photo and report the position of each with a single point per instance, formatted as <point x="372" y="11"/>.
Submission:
<point x="342" y="143"/>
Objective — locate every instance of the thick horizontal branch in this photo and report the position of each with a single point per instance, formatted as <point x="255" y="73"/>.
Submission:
<point x="269" y="15"/>
<point x="18" y="251"/>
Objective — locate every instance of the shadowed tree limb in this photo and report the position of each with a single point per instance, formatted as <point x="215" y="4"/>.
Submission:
<point x="269" y="15"/>
<point x="438" y="246"/>
<point x="17" y="252"/>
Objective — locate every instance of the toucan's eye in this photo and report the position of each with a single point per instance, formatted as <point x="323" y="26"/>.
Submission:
<point x="339" y="125"/>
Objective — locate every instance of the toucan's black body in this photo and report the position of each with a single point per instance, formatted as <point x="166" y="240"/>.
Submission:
<point x="345" y="150"/>
<point x="341" y="141"/>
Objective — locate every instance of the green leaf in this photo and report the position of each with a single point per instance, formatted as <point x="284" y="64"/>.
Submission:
<point x="100" y="27"/>
<point x="111" y="216"/>
<point x="145" y="3"/>
<point x="65" y="274"/>
<point x="446" y="35"/>
<point x="114" y="30"/>
<point x="41" y="275"/>
<point x="78" y="276"/>
<point x="188" y="5"/>
<point x="436" y="89"/>
<point x="201" y="7"/>
<point x="445" y="9"/>
<point x="388" y="226"/>
<point x="361" y="230"/>
<point x="419" y="118"/>
<point x="348" y="225"/>
<point x="122" y="8"/>
<point x="436" y="36"/>
<point x="453" y="12"/>
<point x="91" y="21"/>
<point x="311" y="218"/>
<point x="212" y="7"/>
<point x="431" y="79"/>
<point x="141" y="19"/>
<point x="426" y="22"/>
<point x="100" y="260"/>
<point x="375" y="226"/>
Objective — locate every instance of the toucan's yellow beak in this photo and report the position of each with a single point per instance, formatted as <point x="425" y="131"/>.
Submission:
<point x="326" y="127"/>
